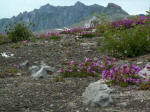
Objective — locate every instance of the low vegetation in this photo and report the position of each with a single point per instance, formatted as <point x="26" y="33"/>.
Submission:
<point x="4" y="39"/>
<point x="127" y="38"/>
<point x="18" y="32"/>
<point x="11" y="71"/>
<point x="121" y="38"/>
<point x="90" y="67"/>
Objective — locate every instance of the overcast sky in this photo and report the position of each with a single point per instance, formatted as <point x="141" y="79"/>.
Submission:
<point x="9" y="8"/>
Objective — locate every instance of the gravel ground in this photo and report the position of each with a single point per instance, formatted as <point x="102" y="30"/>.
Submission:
<point x="23" y="94"/>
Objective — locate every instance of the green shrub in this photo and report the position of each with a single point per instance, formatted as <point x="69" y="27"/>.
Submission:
<point x="101" y="28"/>
<point x="16" y="45"/>
<point x="128" y="42"/>
<point x="4" y="39"/>
<point x="19" y="32"/>
<point x="11" y="71"/>
<point x="55" y="37"/>
<point x="87" y="35"/>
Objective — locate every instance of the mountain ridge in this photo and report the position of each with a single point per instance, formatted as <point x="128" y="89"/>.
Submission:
<point x="49" y="16"/>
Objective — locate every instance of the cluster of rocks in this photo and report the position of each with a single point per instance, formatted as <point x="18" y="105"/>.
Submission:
<point x="40" y="71"/>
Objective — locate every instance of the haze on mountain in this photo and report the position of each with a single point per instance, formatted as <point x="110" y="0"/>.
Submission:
<point x="50" y="17"/>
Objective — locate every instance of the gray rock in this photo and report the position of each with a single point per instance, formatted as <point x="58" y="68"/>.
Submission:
<point x="145" y="73"/>
<point x="97" y="94"/>
<point x="34" y="69"/>
<point x="88" y="44"/>
<point x="48" y="68"/>
<point x="51" y="69"/>
<point x="94" y="30"/>
<point x="18" y="74"/>
<point x="6" y="54"/>
<point x="25" y="63"/>
<point x="41" y="72"/>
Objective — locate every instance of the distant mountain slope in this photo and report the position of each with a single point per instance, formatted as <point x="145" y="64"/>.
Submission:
<point x="49" y="17"/>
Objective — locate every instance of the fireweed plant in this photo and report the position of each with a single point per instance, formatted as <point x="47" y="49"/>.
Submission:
<point x="126" y="38"/>
<point x="53" y="35"/>
<point x="123" y="75"/>
<point x="123" y="24"/>
<point x="90" y="67"/>
<point x="130" y="23"/>
<point x="76" y="30"/>
<point x="50" y="35"/>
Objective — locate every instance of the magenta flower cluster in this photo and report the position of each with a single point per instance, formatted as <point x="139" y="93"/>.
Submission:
<point x="124" y="74"/>
<point x="89" y="66"/>
<point x="110" y="71"/>
<point x="128" y="23"/>
<point x="49" y="34"/>
<point x="76" y="30"/>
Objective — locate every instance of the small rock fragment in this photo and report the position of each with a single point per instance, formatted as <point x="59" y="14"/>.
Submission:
<point x="25" y="63"/>
<point x="18" y="74"/>
<point x="138" y="63"/>
<point x="145" y="73"/>
<point x="42" y="71"/>
<point x="6" y="54"/>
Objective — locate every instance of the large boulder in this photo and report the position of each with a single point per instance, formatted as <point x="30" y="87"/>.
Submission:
<point x="97" y="94"/>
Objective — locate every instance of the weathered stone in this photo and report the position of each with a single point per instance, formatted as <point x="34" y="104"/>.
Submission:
<point x="18" y="74"/>
<point x="145" y="73"/>
<point x="94" y="30"/>
<point x="97" y="94"/>
<point x="41" y="72"/>
<point x="25" y="63"/>
<point x="34" y="69"/>
<point x="88" y="44"/>
<point x="139" y="63"/>
<point x="6" y="54"/>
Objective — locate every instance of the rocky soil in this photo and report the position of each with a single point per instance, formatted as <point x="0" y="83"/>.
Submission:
<point x="21" y="93"/>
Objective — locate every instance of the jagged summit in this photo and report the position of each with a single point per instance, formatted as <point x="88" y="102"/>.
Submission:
<point x="47" y="6"/>
<point x="114" y="10"/>
<point x="79" y="3"/>
<point x="113" y="5"/>
<point x="51" y="17"/>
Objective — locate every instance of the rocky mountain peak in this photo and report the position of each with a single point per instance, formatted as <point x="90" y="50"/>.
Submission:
<point x="78" y="3"/>
<point x="47" y="6"/>
<point x="50" y="17"/>
<point x="112" y="5"/>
